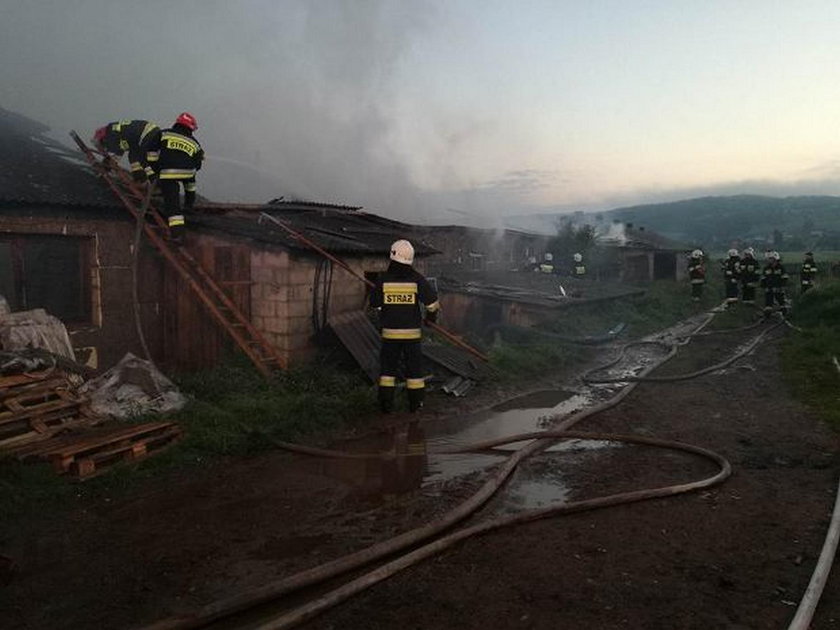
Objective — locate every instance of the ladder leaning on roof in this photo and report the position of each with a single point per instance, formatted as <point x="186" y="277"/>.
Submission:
<point x="226" y="313"/>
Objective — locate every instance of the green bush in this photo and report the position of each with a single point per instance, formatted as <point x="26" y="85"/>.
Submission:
<point x="808" y="354"/>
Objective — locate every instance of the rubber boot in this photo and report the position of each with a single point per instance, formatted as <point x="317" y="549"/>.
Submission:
<point x="386" y="399"/>
<point x="415" y="400"/>
<point x="177" y="234"/>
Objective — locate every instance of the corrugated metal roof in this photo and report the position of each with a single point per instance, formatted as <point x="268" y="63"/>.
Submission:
<point x="360" y="337"/>
<point x="38" y="174"/>
<point x="34" y="169"/>
<point x="337" y="231"/>
<point x="458" y="361"/>
<point x="358" y="334"/>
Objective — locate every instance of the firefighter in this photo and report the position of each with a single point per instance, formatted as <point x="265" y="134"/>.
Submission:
<point x="398" y="294"/>
<point x="749" y="276"/>
<point x="547" y="265"/>
<point x="731" y="275"/>
<point x="132" y="136"/>
<point x="774" y="280"/>
<point x="807" y="272"/>
<point x="175" y="157"/>
<point x="579" y="267"/>
<point x="696" y="274"/>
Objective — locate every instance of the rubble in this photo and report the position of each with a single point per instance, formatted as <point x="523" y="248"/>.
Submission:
<point x="133" y="387"/>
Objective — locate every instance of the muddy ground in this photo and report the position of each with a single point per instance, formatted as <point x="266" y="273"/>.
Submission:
<point x="736" y="556"/>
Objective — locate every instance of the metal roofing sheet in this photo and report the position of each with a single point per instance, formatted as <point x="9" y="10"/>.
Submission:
<point x="333" y="232"/>
<point x="36" y="169"/>
<point x="358" y="334"/>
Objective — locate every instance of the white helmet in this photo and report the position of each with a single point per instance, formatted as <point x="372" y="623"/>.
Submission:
<point x="732" y="252"/>
<point x="577" y="257"/>
<point x="697" y="253"/>
<point x="749" y="252"/>
<point x="774" y="256"/>
<point x="402" y="252"/>
<point x="549" y="257"/>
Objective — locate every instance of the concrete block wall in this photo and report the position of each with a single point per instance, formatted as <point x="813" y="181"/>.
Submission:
<point x="282" y="296"/>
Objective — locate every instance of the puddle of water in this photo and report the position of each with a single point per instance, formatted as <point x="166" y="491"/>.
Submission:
<point x="412" y="468"/>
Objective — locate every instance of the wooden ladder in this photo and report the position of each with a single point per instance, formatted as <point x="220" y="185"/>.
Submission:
<point x="224" y="311"/>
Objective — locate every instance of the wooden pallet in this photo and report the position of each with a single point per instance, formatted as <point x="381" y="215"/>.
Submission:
<point x="33" y="410"/>
<point x="90" y="454"/>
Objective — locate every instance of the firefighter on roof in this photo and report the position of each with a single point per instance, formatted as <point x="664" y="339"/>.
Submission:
<point x="696" y="274"/>
<point x="732" y="275"/>
<point x="176" y="156"/>
<point x="774" y="280"/>
<point x="749" y="276"/>
<point x="132" y="136"/>
<point x="398" y="294"/>
<point x="807" y="272"/>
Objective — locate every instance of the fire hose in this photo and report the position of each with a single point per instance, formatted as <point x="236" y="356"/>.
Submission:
<point x="230" y="606"/>
<point x="411" y="539"/>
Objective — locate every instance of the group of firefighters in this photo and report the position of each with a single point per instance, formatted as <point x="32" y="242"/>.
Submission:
<point x="171" y="157"/>
<point x="742" y="275"/>
<point x="167" y="158"/>
<point x="577" y="270"/>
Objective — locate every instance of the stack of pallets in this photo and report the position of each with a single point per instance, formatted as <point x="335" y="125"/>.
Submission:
<point x="87" y="455"/>
<point x="36" y="407"/>
<point x="44" y="418"/>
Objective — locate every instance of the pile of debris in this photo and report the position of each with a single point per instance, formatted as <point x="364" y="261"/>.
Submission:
<point x="49" y="413"/>
<point x="454" y="369"/>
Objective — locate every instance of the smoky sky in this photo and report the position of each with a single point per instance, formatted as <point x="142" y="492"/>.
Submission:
<point x="296" y="98"/>
<point x="293" y="97"/>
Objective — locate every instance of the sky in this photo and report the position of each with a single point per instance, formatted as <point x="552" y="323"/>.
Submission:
<point x="451" y="110"/>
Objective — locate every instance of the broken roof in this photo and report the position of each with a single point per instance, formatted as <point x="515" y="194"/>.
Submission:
<point x="339" y="229"/>
<point x="37" y="170"/>
<point x="637" y="238"/>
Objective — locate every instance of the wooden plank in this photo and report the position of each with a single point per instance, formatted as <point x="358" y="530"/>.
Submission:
<point x="29" y="444"/>
<point x="87" y="467"/>
<point x="40" y="411"/>
<point x="32" y="386"/>
<point x="99" y="441"/>
<point x="13" y="380"/>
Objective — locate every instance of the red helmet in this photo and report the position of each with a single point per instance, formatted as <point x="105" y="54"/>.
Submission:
<point x="99" y="135"/>
<point x="188" y="120"/>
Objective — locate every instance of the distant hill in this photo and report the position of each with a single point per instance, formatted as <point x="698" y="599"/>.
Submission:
<point x="805" y="222"/>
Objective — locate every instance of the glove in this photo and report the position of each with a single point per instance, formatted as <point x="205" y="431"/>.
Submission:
<point x="139" y="176"/>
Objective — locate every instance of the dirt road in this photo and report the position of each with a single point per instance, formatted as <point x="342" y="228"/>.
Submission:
<point x="734" y="557"/>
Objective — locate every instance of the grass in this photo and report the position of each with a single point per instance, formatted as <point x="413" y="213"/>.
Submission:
<point x="524" y="356"/>
<point x="807" y="356"/>
<point x="224" y="405"/>
<point x="307" y="402"/>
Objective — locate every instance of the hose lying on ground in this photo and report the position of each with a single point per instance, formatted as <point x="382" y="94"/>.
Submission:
<point x="303" y="613"/>
<point x="274" y="590"/>
<point x="587" y="378"/>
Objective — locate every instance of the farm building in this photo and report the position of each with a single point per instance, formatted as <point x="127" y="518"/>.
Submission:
<point x="641" y="255"/>
<point x="67" y="245"/>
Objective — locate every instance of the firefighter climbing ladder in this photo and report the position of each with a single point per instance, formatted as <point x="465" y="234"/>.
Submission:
<point x="223" y="310"/>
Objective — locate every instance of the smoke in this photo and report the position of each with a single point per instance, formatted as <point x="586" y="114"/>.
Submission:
<point x="293" y="98"/>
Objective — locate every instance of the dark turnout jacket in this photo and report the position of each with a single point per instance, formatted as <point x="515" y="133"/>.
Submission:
<point x="398" y="293"/>
<point x="176" y="153"/>
<point x="131" y="136"/>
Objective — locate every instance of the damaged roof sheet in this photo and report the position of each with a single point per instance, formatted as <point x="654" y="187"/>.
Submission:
<point x="39" y="173"/>
<point x="37" y="170"/>
<point x="338" y="229"/>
